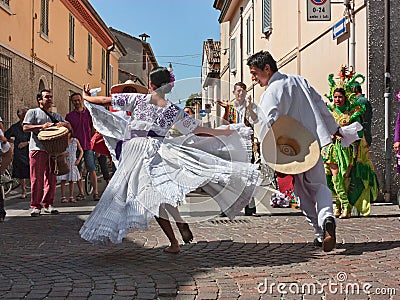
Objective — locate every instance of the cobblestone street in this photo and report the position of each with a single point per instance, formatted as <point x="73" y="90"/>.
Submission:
<point x="247" y="258"/>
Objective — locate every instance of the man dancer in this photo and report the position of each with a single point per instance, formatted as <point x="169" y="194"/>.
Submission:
<point x="291" y="95"/>
<point x="242" y="110"/>
<point x="83" y="129"/>
<point x="43" y="180"/>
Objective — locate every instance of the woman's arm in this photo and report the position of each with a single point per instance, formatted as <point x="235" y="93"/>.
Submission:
<point x="101" y="100"/>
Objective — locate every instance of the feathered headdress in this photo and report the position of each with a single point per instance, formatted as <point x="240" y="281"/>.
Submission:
<point x="346" y="80"/>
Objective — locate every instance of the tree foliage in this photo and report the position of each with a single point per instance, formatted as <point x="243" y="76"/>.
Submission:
<point x="189" y="101"/>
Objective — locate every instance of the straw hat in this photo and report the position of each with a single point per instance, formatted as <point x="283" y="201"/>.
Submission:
<point x="289" y="148"/>
<point x="115" y="89"/>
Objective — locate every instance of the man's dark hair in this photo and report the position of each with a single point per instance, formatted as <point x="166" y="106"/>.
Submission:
<point x="39" y="96"/>
<point x="74" y="94"/>
<point x="190" y="109"/>
<point x="358" y="89"/>
<point x="241" y="84"/>
<point x="261" y="59"/>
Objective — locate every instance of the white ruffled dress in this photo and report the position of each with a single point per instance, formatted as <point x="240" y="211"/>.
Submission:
<point x="156" y="169"/>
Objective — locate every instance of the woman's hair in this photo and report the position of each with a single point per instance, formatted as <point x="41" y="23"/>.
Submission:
<point x="161" y="78"/>
<point x="342" y="91"/>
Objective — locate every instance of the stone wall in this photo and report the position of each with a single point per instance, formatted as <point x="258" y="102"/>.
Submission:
<point x="376" y="70"/>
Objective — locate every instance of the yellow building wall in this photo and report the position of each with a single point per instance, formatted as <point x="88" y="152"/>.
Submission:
<point x="18" y="35"/>
<point x="16" y="26"/>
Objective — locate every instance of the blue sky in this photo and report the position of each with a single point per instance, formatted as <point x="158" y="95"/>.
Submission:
<point x="177" y="29"/>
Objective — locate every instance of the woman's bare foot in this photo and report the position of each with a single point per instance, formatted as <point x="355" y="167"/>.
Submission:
<point x="186" y="234"/>
<point x="174" y="249"/>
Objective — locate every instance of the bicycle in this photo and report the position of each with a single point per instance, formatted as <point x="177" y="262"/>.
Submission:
<point x="99" y="174"/>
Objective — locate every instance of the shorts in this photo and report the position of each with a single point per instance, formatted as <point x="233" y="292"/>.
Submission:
<point x="89" y="157"/>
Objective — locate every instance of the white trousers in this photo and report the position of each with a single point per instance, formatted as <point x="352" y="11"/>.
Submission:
<point x="315" y="196"/>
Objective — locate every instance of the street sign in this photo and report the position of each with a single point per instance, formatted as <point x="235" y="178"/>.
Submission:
<point x="202" y="113"/>
<point x="339" y="28"/>
<point x="318" y="10"/>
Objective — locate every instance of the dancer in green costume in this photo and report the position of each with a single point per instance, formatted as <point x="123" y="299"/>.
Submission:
<point x="350" y="172"/>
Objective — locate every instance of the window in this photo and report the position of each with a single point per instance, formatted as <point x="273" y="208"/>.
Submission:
<point x="232" y="55"/>
<point x="266" y="17"/>
<point x="71" y="36"/>
<point x="44" y="18"/>
<point x="103" y="64"/>
<point x="90" y="54"/>
<point x="248" y="35"/>
<point x="5" y="88"/>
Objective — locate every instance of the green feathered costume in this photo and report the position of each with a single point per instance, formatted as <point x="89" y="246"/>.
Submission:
<point x="356" y="183"/>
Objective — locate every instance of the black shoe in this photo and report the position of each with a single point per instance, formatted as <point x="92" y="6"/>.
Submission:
<point x="222" y="214"/>
<point x="317" y="243"/>
<point x="250" y="211"/>
<point x="2" y="215"/>
<point x="329" y="240"/>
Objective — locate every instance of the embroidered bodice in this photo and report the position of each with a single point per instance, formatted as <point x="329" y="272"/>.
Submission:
<point x="146" y="116"/>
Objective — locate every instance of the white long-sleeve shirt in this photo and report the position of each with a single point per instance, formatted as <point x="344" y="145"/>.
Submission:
<point x="292" y="95"/>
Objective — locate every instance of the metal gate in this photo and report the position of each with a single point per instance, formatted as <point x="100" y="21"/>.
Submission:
<point x="5" y="89"/>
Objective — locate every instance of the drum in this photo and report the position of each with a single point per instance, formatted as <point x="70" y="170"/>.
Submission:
<point x="55" y="141"/>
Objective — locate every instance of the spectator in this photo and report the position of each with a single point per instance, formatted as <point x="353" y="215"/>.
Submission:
<point x="189" y="111"/>
<point x="366" y="118"/>
<point x="242" y="110"/>
<point x="15" y="134"/>
<point x="82" y="126"/>
<point x="43" y="181"/>
<point x="73" y="176"/>
<point x="6" y="151"/>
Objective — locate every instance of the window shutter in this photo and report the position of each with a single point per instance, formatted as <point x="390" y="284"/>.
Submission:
<point x="232" y="55"/>
<point x="248" y="41"/>
<point x="266" y="17"/>
<point x="44" y="18"/>
<point x="71" y="36"/>
<point x="103" y="64"/>
<point x="89" y="66"/>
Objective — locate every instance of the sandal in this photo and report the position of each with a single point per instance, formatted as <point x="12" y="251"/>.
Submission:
<point x="72" y="199"/>
<point x="64" y="200"/>
<point x="185" y="231"/>
<point x="96" y="197"/>
<point x="80" y="197"/>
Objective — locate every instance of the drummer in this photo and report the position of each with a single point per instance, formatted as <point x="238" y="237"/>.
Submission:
<point x="43" y="181"/>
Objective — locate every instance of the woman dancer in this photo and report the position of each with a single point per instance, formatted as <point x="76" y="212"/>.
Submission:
<point x="155" y="172"/>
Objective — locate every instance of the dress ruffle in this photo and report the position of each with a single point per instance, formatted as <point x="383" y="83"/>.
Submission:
<point x="157" y="171"/>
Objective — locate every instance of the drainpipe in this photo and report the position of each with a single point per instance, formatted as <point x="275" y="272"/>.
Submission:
<point x="253" y="50"/>
<point x="241" y="43"/>
<point x="298" y="38"/>
<point x="352" y="50"/>
<point x="108" y="79"/>
<point x="388" y="149"/>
